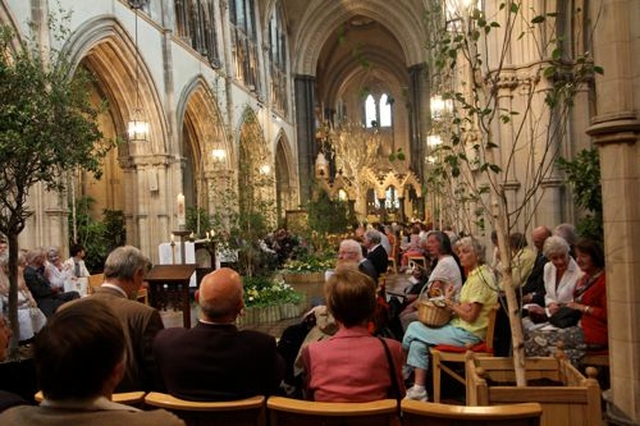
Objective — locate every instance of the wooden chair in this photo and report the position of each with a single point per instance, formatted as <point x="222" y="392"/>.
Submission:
<point x="135" y="399"/>
<point x="95" y="281"/>
<point x="418" y="260"/>
<point x="433" y="414"/>
<point x="448" y="353"/>
<point x="291" y="412"/>
<point x="243" y="412"/>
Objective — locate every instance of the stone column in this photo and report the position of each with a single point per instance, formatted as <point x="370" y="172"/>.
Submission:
<point x="306" y="133"/>
<point x="418" y="98"/>
<point x="615" y="131"/>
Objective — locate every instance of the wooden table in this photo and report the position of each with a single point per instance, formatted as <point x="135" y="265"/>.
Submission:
<point x="176" y="278"/>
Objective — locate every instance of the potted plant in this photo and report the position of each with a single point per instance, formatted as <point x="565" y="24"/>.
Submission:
<point x="269" y="300"/>
<point x="306" y="275"/>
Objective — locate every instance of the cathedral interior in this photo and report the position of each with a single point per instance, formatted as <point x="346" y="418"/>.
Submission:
<point x="283" y="98"/>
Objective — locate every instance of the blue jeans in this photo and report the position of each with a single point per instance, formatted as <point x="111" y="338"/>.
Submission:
<point x="419" y="338"/>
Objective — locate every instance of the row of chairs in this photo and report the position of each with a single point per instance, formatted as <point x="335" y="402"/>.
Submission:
<point x="282" y="411"/>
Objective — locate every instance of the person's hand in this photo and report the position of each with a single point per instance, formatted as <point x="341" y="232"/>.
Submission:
<point x="575" y="305"/>
<point x="527" y="298"/>
<point x="553" y="308"/>
<point x="536" y="309"/>
<point x="449" y="291"/>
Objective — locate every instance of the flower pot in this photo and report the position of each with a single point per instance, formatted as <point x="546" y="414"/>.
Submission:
<point x="310" y="284"/>
<point x="573" y="400"/>
<point x="292" y="310"/>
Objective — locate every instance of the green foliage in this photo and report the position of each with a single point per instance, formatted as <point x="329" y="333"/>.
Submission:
<point x="263" y="291"/>
<point x="48" y="125"/>
<point x="311" y="263"/>
<point x="583" y="174"/>
<point x="98" y="237"/>
<point x="327" y="215"/>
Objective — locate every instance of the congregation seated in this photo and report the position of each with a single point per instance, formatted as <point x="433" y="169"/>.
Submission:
<point x="30" y="317"/>
<point x="468" y="324"/>
<point x="214" y="361"/>
<point x="7" y="399"/>
<point x="78" y="377"/>
<point x="588" y="306"/>
<point x="375" y="251"/>
<point x="412" y="248"/>
<point x="446" y="270"/>
<point x="352" y="365"/>
<point x="560" y="276"/>
<point x="48" y="297"/>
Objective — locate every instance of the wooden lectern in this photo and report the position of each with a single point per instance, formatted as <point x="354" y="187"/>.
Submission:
<point x="176" y="279"/>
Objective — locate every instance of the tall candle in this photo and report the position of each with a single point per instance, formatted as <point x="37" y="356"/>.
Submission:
<point x="181" y="211"/>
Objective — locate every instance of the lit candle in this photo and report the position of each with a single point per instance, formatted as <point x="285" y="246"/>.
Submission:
<point x="207" y="234"/>
<point x="213" y="234"/>
<point x="173" y="238"/>
<point x="181" y="211"/>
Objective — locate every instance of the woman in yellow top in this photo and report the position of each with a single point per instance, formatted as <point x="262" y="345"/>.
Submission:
<point x="469" y="323"/>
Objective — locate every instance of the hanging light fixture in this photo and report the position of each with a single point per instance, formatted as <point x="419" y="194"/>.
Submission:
<point x="138" y="127"/>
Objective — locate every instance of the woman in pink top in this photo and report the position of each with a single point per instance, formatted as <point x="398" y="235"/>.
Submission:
<point x="352" y="365"/>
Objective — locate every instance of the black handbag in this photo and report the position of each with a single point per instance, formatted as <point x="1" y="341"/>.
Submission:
<point x="565" y="317"/>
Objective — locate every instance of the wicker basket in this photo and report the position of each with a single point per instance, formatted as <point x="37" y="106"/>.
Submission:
<point x="432" y="312"/>
<point x="432" y="315"/>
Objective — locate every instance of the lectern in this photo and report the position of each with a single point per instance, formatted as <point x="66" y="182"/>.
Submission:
<point x="170" y="283"/>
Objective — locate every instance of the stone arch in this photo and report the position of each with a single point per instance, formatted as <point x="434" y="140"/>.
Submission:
<point x="143" y="169"/>
<point x="109" y="51"/>
<point x="201" y="131"/>
<point x="286" y="197"/>
<point x="255" y="167"/>
<point x="321" y="19"/>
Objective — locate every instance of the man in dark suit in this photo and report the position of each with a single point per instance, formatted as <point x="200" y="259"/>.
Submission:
<point x="534" y="291"/>
<point x="351" y="251"/>
<point x="214" y="361"/>
<point x="124" y="272"/>
<point x="375" y="252"/>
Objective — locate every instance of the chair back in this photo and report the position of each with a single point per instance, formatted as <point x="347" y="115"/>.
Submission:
<point x="433" y="414"/>
<point x="290" y="412"/>
<point x="491" y="327"/>
<point x="95" y="281"/>
<point x="243" y="412"/>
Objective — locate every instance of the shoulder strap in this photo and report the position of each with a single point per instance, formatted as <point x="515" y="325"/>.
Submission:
<point x="392" y="372"/>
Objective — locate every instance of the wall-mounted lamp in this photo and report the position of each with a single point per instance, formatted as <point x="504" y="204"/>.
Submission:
<point x="440" y="106"/>
<point x="138" y="127"/>
<point x="218" y="155"/>
<point x="265" y="169"/>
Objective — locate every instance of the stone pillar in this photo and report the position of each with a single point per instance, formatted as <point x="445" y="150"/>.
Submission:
<point x="418" y="97"/>
<point x="306" y="133"/>
<point x="615" y="131"/>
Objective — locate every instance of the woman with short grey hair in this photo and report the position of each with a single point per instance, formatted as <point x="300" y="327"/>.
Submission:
<point x="560" y="276"/>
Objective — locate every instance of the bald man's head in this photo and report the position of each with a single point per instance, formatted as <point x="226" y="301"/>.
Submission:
<point x="539" y="235"/>
<point x="220" y="295"/>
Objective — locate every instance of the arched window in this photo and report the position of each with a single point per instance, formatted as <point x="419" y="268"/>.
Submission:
<point x="244" y="42"/>
<point x="378" y="113"/>
<point x="370" y="113"/>
<point x="196" y="25"/>
<point x="385" y="111"/>
<point x="278" y="58"/>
